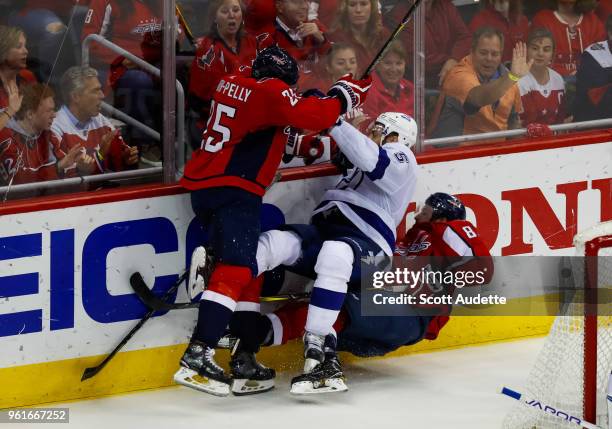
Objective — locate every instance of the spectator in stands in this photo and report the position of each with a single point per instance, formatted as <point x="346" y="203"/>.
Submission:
<point x="604" y="10"/>
<point x="447" y="38"/>
<point x="44" y="25"/>
<point x="305" y="40"/>
<point x="223" y="50"/>
<point x="574" y="26"/>
<point x="480" y="94"/>
<point x="80" y="123"/>
<point x="360" y="24"/>
<point x="136" y="26"/>
<point x="13" y="72"/>
<point x="390" y="91"/>
<point x="542" y="89"/>
<point x="594" y="80"/>
<point x="507" y="16"/>
<point x="26" y="148"/>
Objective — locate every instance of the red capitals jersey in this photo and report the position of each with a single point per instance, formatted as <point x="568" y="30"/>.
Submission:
<point x="457" y="238"/>
<point x="129" y="24"/>
<point x="381" y="100"/>
<point x="570" y="41"/>
<point x="214" y="59"/>
<point x="243" y="142"/>
<point x="306" y="51"/>
<point x="26" y="159"/>
<point x="543" y="104"/>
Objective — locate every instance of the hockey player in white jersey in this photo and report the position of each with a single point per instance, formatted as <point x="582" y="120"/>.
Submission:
<point x="357" y="219"/>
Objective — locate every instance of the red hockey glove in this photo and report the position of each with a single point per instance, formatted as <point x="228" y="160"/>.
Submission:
<point x="309" y="146"/>
<point x="538" y="130"/>
<point x="351" y="92"/>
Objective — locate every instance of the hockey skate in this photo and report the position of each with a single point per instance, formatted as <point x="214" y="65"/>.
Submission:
<point x="202" y="265"/>
<point x="249" y="376"/>
<point x="200" y="371"/>
<point x="326" y="376"/>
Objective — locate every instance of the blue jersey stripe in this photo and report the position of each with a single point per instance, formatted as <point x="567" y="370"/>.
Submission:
<point x="381" y="165"/>
<point x="327" y="299"/>
<point x="375" y="222"/>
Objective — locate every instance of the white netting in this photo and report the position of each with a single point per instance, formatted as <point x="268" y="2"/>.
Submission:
<point x="557" y="376"/>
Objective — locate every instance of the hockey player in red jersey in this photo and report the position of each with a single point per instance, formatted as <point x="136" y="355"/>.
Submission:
<point x="440" y="231"/>
<point x="241" y="149"/>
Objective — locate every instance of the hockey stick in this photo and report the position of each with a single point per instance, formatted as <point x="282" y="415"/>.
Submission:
<point x="92" y="371"/>
<point x="547" y="409"/>
<point x="159" y="304"/>
<point x="185" y="25"/>
<point x="387" y="45"/>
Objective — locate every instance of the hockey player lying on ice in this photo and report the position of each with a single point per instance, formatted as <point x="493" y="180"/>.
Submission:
<point x="440" y="230"/>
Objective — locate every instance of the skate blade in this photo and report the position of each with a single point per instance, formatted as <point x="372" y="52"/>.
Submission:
<point x="246" y="386"/>
<point x="193" y="380"/>
<point x="196" y="285"/>
<point x="310" y="388"/>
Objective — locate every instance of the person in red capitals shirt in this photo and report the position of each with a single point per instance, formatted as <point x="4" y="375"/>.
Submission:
<point x="80" y="123"/>
<point x="223" y="51"/>
<point x="359" y="24"/>
<point x="305" y="40"/>
<point x="447" y="38"/>
<point x="240" y="152"/>
<point x="542" y="89"/>
<point x="507" y="16"/>
<point x="390" y="91"/>
<point x="27" y="145"/>
<point x="441" y="231"/>
<point x="575" y="27"/>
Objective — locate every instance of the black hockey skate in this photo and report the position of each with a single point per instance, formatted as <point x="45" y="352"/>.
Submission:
<point x="249" y="376"/>
<point x="200" y="371"/>
<point x="326" y="376"/>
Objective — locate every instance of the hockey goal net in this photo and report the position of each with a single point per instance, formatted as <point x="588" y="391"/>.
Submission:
<point x="571" y="373"/>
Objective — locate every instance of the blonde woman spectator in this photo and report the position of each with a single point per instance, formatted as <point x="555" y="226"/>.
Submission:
<point x="13" y="72"/>
<point x="574" y="26"/>
<point x="507" y="16"/>
<point x="542" y="89"/>
<point x="360" y="24"/>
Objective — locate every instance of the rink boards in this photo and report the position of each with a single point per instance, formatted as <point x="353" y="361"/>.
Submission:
<point x="65" y="261"/>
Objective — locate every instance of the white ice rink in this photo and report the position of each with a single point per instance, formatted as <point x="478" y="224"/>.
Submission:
<point x="442" y="390"/>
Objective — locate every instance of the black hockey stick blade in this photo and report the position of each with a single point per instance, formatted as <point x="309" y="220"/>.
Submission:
<point x="151" y="300"/>
<point x="92" y="371"/>
<point x="393" y="36"/>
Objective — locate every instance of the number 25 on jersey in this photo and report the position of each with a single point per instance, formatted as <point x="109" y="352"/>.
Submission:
<point x="218" y="111"/>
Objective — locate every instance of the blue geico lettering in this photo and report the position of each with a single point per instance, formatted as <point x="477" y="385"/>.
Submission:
<point x="160" y="233"/>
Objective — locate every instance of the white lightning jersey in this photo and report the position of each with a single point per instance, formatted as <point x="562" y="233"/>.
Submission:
<point x="374" y="195"/>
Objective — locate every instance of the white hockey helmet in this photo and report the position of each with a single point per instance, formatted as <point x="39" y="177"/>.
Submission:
<point x="400" y="123"/>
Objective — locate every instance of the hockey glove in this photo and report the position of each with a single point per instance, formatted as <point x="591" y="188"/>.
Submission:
<point x="309" y="146"/>
<point x="352" y="93"/>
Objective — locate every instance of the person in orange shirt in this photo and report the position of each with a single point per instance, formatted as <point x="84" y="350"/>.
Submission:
<point x="481" y="95"/>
